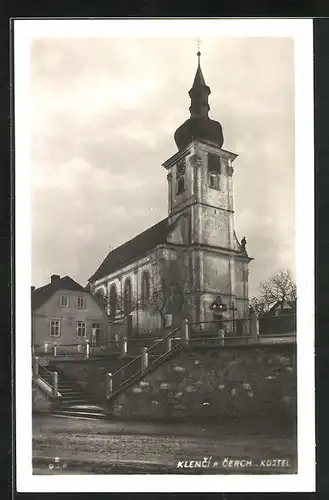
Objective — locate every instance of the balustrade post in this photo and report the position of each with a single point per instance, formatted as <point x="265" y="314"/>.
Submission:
<point x="55" y="350"/>
<point x="55" y="383"/>
<point x="144" y="359"/>
<point x="185" y="331"/>
<point x="108" y="384"/>
<point x="169" y="344"/>
<point x="254" y="326"/>
<point x="87" y="349"/>
<point x="46" y="348"/>
<point x="124" y="347"/>
<point x="35" y="367"/>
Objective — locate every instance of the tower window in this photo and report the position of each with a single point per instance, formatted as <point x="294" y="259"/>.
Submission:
<point x="214" y="163"/>
<point x="214" y="180"/>
<point x="180" y="185"/>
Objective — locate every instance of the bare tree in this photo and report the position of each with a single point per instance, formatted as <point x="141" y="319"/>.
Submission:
<point x="279" y="288"/>
<point x="259" y="305"/>
<point x="121" y="309"/>
<point x="168" y="284"/>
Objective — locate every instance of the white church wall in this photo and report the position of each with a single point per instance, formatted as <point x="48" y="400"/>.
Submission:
<point x="215" y="226"/>
<point x="241" y="276"/>
<point x="216" y="273"/>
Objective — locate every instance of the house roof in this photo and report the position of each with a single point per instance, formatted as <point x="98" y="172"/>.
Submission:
<point x="286" y="304"/>
<point x="133" y="249"/>
<point x="40" y="295"/>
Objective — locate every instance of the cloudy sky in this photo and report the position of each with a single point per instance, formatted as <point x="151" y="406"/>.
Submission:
<point x="104" y="112"/>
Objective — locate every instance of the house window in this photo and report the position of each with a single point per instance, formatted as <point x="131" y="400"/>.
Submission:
<point x="145" y="292"/>
<point x="81" y="328"/>
<point x="113" y="300"/>
<point x="214" y="180"/>
<point x="180" y="184"/>
<point x="54" y="327"/>
<point x="127" y="297"/>
<point x="64" y="301"/>
<point x="81" y="302"/>
<point x="95" y="329"/>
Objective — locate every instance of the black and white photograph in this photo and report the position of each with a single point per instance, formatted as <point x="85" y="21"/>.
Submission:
<point x="164" y="266"/>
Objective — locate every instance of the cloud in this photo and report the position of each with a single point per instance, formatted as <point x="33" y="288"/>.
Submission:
<point x="104" y="112"/>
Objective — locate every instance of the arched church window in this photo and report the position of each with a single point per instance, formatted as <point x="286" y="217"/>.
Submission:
<point x="214" y="180"/>
<point x="145" y="295"/>
<point x="113" y="300"/>
<point x="127" y="299"/>
<point x="180" y="184"/>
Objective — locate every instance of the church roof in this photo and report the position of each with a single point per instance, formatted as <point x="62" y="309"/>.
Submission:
<point x="132" y="249"/>
<point x="40" y="295"/>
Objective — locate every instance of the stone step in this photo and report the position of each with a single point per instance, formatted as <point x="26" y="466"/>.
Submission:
<point x="79" y="401"/>
<point x="69" y="389"/>
<point x="72" y="397"/>
<point x="79" y="415"/>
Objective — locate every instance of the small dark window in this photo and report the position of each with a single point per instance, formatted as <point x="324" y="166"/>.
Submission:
<point x="80" y="302"/>
<point x="214" y="180"/>
<point x="214" y="163"/>
<point x="180" y="185"/>
<point x="81" y="328"/>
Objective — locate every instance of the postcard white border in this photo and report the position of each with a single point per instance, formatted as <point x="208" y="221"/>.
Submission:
<point x="301" y="30"/>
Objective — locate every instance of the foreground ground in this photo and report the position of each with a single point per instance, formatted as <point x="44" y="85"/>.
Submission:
<point x="75" y="446"/>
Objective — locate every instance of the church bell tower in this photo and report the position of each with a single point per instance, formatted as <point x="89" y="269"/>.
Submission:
<point x="200" y="194"/>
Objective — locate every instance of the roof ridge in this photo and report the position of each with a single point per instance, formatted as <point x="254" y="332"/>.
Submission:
<point x="132" y="249"/>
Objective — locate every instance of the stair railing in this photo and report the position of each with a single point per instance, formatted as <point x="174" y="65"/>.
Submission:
<point x="47" y="378"/>
<point x="140" y="365"/>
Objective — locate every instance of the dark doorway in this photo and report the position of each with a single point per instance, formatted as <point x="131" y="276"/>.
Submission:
<point x="96" y="329"/>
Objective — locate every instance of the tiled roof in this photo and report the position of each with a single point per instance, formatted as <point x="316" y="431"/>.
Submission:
<point x="40" y="295"/>
<point x="132" y="249"/>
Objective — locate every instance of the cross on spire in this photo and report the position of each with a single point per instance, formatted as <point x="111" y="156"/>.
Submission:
<point x="199" y="53"/>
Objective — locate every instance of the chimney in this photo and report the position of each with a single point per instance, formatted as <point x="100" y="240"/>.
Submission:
<point x="54" y="278"/>
<point x="32" y="288"/>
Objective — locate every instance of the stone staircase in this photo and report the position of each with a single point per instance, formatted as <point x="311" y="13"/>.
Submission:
<point x="73" y="402"/>
<point x="134" y="371"/>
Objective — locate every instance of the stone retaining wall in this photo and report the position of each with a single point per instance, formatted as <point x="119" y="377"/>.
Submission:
<point x="40" y="402"/>
<point x="248" y="382"/>
<point x="245" y="382"/>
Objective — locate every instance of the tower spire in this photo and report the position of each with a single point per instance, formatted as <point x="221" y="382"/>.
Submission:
<point x="199" y="92"/>
<point x="199" y="125"/>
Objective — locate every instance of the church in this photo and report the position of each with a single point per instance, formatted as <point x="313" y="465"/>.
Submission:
<point x="190" y="264"/>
